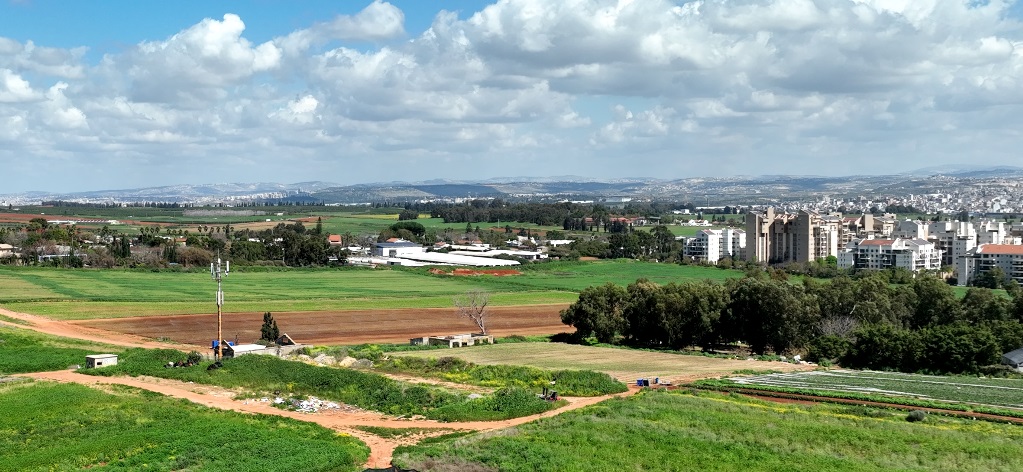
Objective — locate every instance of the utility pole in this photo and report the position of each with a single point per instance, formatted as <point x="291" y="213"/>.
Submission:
<point x="218" y="273"/>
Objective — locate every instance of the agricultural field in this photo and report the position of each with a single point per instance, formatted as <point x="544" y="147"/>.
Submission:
<point x="337" y="327"/>
<point x="675" y="431"/>
<point x="93" y="294"/>
<point x="86" y="294"/>
<point x="626" y="365"/>
<point x="973" y="390"/>
<point x="47" y="426"/>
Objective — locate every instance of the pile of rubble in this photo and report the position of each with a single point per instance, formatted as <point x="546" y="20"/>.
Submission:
<point x="313" y="405"/>
<point x="309" y="404"/>
<point x="331" y="361"/>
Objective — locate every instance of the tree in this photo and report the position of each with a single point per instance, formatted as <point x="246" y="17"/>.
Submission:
<point x="473" y="305"/>
<point x="408" y="215"/>
<point x="599" y="311"/>
<point x="269" y="332"/>
<point x="643" y="313"/>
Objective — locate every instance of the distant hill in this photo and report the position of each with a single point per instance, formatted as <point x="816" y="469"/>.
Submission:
<point x="702" y="190"/>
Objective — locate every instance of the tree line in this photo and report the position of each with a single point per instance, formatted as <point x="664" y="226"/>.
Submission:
<point x="860" y="323"/>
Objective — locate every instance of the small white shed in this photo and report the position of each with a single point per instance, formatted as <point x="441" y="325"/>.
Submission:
<point x="93" y="361"/>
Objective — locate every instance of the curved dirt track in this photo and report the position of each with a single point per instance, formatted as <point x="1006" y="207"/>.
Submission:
<point x="380" y="449"/>
<point x="338" y="327"/>
<point x="65" y="329"/>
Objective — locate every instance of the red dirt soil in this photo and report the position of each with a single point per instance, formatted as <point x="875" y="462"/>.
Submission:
<point x="343" y="327"/>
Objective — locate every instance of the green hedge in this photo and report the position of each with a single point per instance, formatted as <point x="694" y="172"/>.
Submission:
<point x="581" y="383"/>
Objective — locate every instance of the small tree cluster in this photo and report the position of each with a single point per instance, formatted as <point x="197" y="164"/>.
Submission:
<point x="269" y="332"/>
<point x="865" y="322"/>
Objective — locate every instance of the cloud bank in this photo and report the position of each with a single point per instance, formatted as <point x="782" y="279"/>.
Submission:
<point x="527" y="87"/>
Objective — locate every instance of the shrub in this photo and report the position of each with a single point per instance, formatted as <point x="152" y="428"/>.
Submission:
<point x="916" y="416"/>
<point x="503" y="404"/>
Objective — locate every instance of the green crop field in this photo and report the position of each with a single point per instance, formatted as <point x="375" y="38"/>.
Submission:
<point x="672" y="431"/>
<point x="46" y="426"/>
<point x="973" y="390"/>
<point x="91" y="294"/>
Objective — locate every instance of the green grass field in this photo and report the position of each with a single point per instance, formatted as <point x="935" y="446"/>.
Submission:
<point x="973" y="390"/>
<point x="46" y="427"/>
<point x="22" y="350"/>
<point x="673" y="431"/>
<point x="91" y="294"/>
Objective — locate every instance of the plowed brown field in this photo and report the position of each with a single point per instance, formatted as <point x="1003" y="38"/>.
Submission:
<point x="344" y="327"/>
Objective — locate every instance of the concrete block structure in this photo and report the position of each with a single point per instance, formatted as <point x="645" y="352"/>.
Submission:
<point x="93" y="361"/>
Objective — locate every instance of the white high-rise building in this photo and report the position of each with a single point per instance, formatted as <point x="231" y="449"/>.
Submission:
<point x="711" y="245"/>
<point x="879" y="254"/>
<point x="983" y="258"/>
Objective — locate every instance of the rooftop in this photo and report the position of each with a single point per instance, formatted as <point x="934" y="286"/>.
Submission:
<point x="1009" y="249"/>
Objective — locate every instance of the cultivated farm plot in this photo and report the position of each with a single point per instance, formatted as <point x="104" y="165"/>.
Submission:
<point x="980" y="391"/>
<point x="340" y="327"/>
<point x="623" y="364"/>
<point x="94" y="294"/>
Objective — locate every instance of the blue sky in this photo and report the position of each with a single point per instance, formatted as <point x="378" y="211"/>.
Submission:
<point x="124" y="94"/>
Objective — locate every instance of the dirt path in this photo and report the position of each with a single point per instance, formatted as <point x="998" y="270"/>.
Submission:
<point x="46" y="325"/>
<point x="381" y="449"/>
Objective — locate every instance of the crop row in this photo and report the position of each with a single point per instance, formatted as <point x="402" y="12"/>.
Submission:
<point x="983" y="391"/>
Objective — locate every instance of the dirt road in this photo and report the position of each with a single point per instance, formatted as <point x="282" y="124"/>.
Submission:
<point x="65" y="329"/>
<point x="381" y="449"/>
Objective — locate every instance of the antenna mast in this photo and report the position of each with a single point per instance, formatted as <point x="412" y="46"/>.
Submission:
<point x="218" y="272"/>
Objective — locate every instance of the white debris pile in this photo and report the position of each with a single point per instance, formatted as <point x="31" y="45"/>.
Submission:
<point x="313" y="405"/>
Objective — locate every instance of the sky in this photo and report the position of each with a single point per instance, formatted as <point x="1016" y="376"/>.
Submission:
<point x="126" y="94"/>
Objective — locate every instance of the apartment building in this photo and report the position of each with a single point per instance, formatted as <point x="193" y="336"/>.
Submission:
<point x="952" y="238"/>
<point x="807" y="236"/>
<point x="711" y="245"/>
<point x="878" y="254"/>
<point x="985" y="257"/>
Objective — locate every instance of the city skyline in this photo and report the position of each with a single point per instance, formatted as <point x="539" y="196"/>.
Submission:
<point x="129" y="95"/>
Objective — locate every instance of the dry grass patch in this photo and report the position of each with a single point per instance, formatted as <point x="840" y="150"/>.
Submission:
<point x="623" y="364"/>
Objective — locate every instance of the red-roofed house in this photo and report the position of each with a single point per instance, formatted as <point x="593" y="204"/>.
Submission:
<point x="986" y="257"/>
<point x="334" y="239"/>
<point x="878" y="254"/>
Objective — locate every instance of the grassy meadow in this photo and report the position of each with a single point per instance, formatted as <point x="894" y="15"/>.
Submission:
<point x="261" y="375"/>
<point x="91" y="294"/>
<point x="47" y="426"/>
<point x="22" y="350"/>
<point x="674" y="431"/>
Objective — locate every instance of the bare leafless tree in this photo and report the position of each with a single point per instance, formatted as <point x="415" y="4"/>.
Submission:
<point x="473" y="305"/>
<point x="841" y="326"/>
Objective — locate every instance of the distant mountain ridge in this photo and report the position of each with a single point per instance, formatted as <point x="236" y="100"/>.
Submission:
<point x="747" y="189"/>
